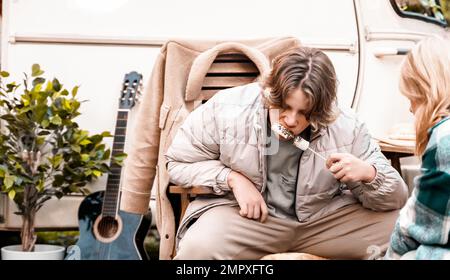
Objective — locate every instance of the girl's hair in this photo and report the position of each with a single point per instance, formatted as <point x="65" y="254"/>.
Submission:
<point x="425" y="80"/>
<point x="311" y="71"/>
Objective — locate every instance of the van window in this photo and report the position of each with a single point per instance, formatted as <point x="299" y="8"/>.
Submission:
<point x="434" y="11"/>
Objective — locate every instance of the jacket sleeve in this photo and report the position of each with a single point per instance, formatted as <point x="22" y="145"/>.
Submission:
<point x="193" y="157"/>
<point x="387" y="191"/>
<point x="423" y="223"/>
<point x="140" y="165"/>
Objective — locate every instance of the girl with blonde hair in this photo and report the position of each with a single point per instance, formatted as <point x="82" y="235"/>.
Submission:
<point x="423" y="227"/>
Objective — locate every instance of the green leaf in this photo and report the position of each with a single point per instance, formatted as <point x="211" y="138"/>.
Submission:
<point x="25" y="101"/>
<point x="12" y="194"/>
<point x="106" y="134"/>
<point x="66" y="104"/>
<point x="49" y="86"/>
<point x="40" y="140"/>
<point x="57" y="160"/>
<point x="56" y="85"/>
<point x="56" y="120"/>
<point x="75" y="90"/>
<point x="40" y="186"/>
<point x="56" y="95"/>
<point x="4" y="74"/>
<point x="83" y="133"/>
<point x="8" y="118"/>
<point x="97" y="173"/>
<point x="37" y="88"/>
<point x="45" y="123"/>
<point x="75" y="105"/>
<point x="24" y="110"/>
<point x="120" y="157"/>
<point x="9" y="181"/>
<point x="96" y="139"/>
<point x="85" y="142"/>
<point x="38" y="81"/>
<point x="106" y="154"/>
<point x="36" y="70"/>
<point x="10" y="87"/>
<point x="85" y="157"/>
<point x="59" y="180"/>
<point x="19" y="167"/>
<point x="76" y="148"/>
<point x="73" y="188"/>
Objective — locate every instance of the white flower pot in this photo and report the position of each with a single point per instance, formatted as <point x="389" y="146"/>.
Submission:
<point x="41" y="252"/>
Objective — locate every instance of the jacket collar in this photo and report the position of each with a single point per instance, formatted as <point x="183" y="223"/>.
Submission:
<point x="319" y="133"/>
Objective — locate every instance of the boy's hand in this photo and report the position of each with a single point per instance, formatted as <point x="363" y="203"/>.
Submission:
<point x="347" y="168"/>
<point x="250" y="200"/>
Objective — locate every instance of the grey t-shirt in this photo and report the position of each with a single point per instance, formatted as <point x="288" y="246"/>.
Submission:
<point x="282" y="169"/>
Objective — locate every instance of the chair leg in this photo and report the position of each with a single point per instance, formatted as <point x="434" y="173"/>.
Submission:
<point x="184" y="204"/>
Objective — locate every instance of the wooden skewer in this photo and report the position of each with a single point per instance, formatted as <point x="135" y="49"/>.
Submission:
<point x="317" y="154"/>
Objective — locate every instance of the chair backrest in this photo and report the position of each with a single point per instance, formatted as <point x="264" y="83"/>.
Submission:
<point x="228" y="70"/>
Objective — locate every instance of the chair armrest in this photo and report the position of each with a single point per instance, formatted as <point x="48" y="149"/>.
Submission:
<point x="190" y="190"/>
<point x="185" y="194"/>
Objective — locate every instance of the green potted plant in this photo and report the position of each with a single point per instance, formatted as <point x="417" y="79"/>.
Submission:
<point x="43" y="152"/>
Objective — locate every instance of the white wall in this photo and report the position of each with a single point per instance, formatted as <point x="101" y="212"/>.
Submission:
<point x="327" y="19"/>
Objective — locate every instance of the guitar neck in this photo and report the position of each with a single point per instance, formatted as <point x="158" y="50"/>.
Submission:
<point x="112" y="192"/>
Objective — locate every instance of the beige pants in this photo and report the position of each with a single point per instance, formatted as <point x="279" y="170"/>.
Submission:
<point x="351" y="232"/>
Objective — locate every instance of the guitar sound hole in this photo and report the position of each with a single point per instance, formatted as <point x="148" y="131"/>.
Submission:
<point x="108" y="227"/>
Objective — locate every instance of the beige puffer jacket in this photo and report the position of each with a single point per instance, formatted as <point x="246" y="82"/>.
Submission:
<point x="229" y="133"/>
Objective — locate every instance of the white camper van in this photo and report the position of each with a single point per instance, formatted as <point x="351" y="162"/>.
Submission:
<point x="94" y="43"/>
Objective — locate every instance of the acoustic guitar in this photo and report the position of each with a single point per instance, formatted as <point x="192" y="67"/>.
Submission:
<point x="107" y="233"/>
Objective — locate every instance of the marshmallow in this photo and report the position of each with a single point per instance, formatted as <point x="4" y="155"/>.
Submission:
<point x="301" y="143"/>
<point x="282" y="131"/>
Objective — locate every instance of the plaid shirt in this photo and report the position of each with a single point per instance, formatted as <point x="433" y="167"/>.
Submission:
<point x="424" y="222"/>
